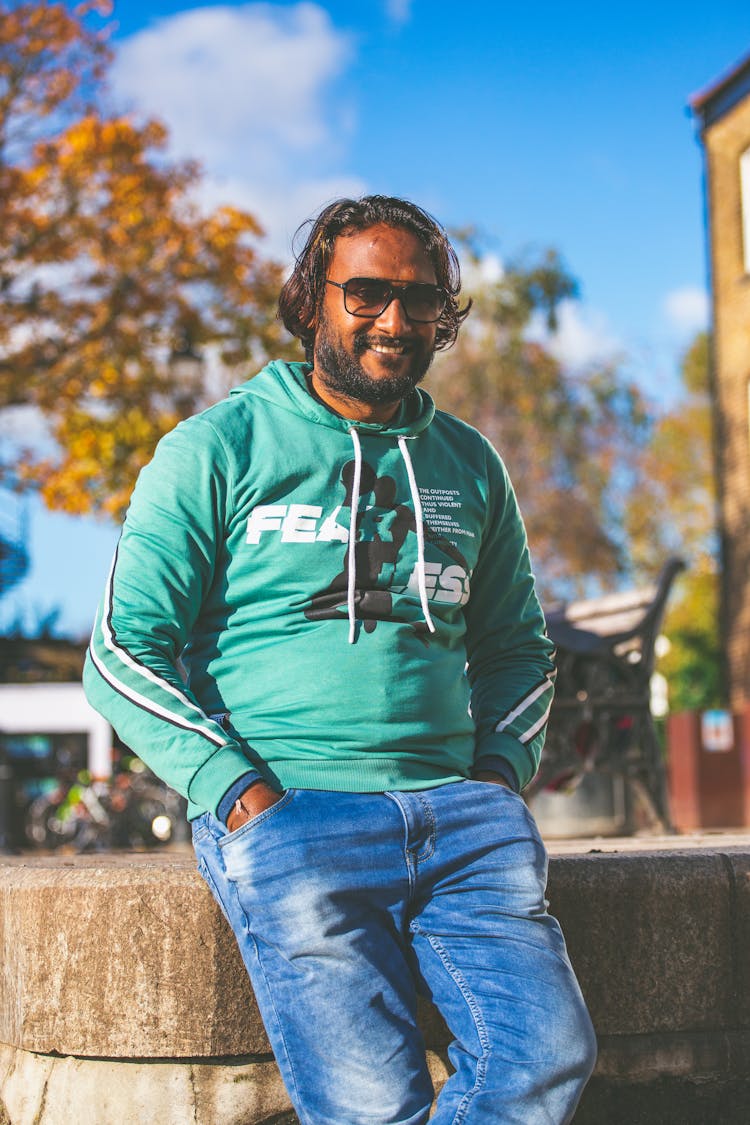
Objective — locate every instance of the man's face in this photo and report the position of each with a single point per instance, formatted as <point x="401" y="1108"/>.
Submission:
<point x="373" y="360"/>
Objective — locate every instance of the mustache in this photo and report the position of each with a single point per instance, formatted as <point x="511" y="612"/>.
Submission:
<point x="368" y="339"/>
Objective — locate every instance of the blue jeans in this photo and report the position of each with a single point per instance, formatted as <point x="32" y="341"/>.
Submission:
<point x="347" y="905"/>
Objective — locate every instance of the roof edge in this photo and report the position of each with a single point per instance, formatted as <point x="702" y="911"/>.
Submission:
<point x="714" y="100"/>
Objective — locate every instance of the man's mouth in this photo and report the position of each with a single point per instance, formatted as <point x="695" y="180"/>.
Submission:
<point x="386" y="347"/>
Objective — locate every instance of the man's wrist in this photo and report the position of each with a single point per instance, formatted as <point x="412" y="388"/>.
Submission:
<point x="493" y="777"/>
<point x="252" y="801"/>
<point x="495" y="764"/>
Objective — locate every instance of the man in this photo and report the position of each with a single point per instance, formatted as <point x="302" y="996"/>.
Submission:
<point x="344" y="572"/>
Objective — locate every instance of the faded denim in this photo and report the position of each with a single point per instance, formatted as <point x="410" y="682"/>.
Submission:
<point x="347" y="905"/>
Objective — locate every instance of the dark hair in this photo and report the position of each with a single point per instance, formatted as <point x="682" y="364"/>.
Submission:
<point x="302" y="295"/>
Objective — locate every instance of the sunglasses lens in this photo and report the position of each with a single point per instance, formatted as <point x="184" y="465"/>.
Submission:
<point x="366" y="296"/>
<point x="369" y="296"/>
<point x="423" y="302"/>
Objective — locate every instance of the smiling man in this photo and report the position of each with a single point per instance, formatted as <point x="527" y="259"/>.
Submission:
<point x="343" y="571"/>
<point x="364" y="365"/>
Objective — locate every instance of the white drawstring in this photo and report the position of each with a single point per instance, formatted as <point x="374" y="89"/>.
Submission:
<point x="351" y="553"/>
<point x="420" y="532"/>
<point x="352" y="577"/>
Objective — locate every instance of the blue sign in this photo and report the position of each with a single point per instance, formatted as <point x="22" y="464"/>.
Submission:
<point x="717" y="731"/>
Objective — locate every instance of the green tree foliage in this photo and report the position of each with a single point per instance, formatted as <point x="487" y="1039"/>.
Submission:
<point x="673" y="511"/>
<point x="108" y="266"/>
<point x="571" y="440"/>
<point x="692" y="666"/>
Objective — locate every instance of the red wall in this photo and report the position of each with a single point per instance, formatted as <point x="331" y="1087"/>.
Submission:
<point x="707" y="789"/>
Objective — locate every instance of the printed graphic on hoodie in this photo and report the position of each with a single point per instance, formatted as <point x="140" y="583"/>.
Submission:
<point x="382" y="529"/>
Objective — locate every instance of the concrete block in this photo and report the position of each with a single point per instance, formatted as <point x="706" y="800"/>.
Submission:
<point x="649" y="935"/>
<point x="23" y="1081"/>
<point x="41" y="1090"/>
<point x="121" y="957"/>
<point x="124" y="967"/>
<point x="667" y="1101"/>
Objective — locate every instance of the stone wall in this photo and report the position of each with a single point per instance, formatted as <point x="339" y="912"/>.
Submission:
<point x="123" y="1000"/>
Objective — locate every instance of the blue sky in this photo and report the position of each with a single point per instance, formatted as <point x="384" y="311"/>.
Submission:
<point x="545" y="124"/>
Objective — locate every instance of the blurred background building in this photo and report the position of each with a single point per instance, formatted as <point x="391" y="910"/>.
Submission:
<point x="723" y="114"/>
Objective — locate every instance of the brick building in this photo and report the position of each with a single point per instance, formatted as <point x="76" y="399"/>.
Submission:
<point x="723" y="115"/>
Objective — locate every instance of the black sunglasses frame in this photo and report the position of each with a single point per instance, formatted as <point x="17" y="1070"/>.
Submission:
<point x="395" y="289"/>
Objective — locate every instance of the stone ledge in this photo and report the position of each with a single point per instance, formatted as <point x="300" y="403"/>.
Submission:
<point x="666" y="1101"/>
<point x="51" y="1090"/>
<point x="120" y="957"/>
<point x="129" y="958"/>
<point x="655" y="937"/>
<point x="47" y="1090"/>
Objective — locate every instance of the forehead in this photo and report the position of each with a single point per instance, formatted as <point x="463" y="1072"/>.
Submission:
<point x="381" y="251"/>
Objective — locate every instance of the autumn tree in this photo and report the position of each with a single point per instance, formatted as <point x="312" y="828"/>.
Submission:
<point x="673" y="511"/>
<point x="109" y="268"/>
<point x="570" y="439"/>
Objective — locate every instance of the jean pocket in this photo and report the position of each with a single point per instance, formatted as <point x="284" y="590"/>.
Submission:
<point x="256" y="821"/>
<point x="199" y="828"/>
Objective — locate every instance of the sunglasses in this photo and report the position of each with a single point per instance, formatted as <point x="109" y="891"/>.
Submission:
<point x="370" y="296"/>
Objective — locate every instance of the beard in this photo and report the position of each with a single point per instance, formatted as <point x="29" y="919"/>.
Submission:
<point x="340" y="369"/>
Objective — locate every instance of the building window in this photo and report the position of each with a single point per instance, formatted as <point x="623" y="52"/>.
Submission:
<point x="745" y="193"/>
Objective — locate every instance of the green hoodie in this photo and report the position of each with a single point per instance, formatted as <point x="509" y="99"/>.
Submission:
<point x="401" y="657"/>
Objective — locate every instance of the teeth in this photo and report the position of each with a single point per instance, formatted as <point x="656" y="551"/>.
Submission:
<point x="387" y="350"/>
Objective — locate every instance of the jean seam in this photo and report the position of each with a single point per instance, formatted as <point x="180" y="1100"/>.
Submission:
<point x="431" y="842"/>
<point x="205" y="871"/>
<point x="409" y="859"/>
<point x="204" y="866"/>
<point x="199" y="828"/>
<point x="470" y="1000"/>
<point x="280" y="1025"/>
<point x="287" y="797"/>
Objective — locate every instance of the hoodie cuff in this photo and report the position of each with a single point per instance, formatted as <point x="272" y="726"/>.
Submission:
<point x="226" y="804"/>
<point x="501" y="766"/>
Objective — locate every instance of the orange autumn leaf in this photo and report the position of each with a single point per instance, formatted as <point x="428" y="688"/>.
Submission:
<point x="108" y="268"/>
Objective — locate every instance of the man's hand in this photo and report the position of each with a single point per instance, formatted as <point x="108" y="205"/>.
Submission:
<point x="492" y="777"/>
<point x="255" y="799"/>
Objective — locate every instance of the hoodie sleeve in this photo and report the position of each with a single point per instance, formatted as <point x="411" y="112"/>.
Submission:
<point x="510" y="666"/>
<point x="163" y="567"/>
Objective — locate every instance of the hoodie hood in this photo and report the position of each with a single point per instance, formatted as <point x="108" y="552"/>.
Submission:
<point x="285" y="385"/>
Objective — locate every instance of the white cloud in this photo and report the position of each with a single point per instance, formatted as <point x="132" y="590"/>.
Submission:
<point x="687" y="309"/>
<point x="398" y="11"/>
<point x="280" y="208"/>
<point x="583" y="337"/>
<point x="246" y="90"/>
<point x="487" y="270"/>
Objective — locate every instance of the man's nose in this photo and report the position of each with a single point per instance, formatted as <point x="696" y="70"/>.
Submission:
<point x="393" y="318"/>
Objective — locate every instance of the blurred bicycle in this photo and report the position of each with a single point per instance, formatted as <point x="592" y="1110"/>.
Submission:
<point x="132" y="810"/>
